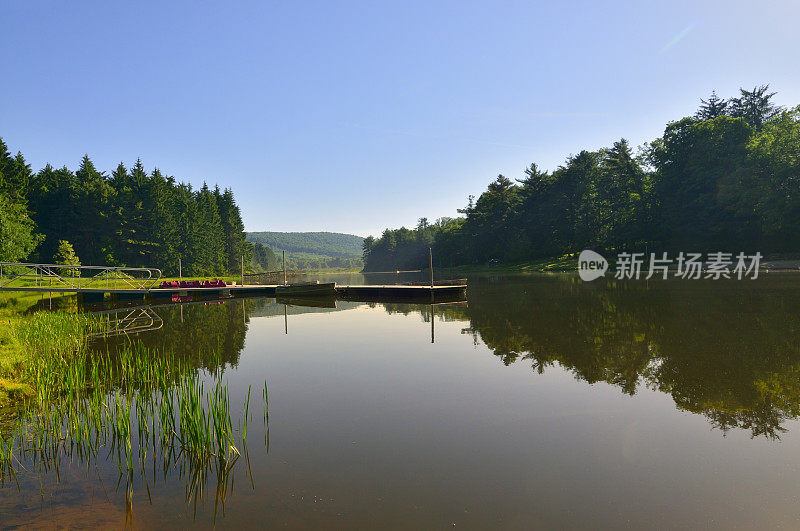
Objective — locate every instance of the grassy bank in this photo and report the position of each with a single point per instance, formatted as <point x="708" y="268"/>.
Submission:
<point x="24" y="333"/>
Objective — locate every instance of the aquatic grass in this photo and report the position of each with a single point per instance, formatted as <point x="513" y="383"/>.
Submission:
<point x="57" y="334"/>
<point x="246" y="415"/>
<point x="265" y="396"/>
<point x="84" y="407"/>
<point x="86" y="402"/>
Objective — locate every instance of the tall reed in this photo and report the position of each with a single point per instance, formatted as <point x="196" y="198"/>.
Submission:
<point x="87" y="401"/>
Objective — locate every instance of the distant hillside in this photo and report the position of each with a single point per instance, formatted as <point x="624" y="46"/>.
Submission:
<point x="313" y="250"/>
<point x="323" y="243"/>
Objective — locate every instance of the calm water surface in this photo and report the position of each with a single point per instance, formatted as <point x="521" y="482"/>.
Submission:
<point x="542" y="402"/>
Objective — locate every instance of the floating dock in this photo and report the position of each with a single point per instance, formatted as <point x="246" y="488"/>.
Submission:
<point x="92" y="283"/>
<point x="365" y="293"/>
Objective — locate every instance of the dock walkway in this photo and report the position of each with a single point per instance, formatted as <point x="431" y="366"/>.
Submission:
<point x="92" y="283"/>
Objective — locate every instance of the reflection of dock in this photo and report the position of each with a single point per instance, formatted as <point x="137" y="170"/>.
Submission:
<point x="308" y="302"/>
<point x="364" y="293"/>
<point x="127" y="320"/>
<point x="402" y="293"/>
<point x="124" y="321"/>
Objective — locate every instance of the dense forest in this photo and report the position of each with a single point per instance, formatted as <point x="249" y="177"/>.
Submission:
<point x="725" y="179"/>
<point x="131" y="218"/>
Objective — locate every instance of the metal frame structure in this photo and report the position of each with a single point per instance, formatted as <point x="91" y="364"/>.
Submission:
<point x="76" y="278"/>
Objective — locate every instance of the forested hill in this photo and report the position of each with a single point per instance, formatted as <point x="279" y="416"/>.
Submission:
<point x="309" y="250"/>
<point x="130" y="217"/>
<point x="322" y="243"/>
<point x="725" y="179"/>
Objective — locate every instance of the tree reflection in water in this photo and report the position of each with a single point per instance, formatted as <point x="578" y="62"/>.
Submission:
<point x="729" y="350"/>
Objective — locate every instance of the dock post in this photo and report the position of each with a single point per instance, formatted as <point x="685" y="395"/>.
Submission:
<point x="242" y="270"/>
<point x="284" y="267"/>
<point x="430" y="263"/>
<point x="433" y="332"/>
<point x="180" y="271"/>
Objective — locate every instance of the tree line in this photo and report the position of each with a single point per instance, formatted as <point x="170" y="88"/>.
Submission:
<point x="129" y="218"/>
<point x="724" y="179"/>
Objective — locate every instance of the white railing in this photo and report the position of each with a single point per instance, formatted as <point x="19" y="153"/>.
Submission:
<point x="63" y="277"/>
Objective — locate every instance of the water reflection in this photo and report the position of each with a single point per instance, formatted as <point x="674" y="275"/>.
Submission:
<point x="728" y="351"/>
<point x="128" y="321"/>
<point x="397" y="412"/>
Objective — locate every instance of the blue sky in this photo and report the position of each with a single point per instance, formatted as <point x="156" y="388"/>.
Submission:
<point x="357" y="116"/>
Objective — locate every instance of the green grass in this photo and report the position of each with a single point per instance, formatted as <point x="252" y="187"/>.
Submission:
<point x="15" y="320"/>
<point x="81" y="402"/>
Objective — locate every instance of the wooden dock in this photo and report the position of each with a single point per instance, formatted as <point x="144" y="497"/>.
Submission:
<point x="92" y="283"/>
<point x="365" y="293"/>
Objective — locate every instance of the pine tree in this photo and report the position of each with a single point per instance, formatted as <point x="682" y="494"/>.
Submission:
<point x="619" y="196"/>
<point x="210" y="259"/>
<point x="234" y="240"/>
<point x="92" y="216"/>
<point x="755" y="106"/>
<point x="162" y="235"/>
<point x="53" y="204"/>
<point x="5" y="165"/>
<point x="188" y="245"/>
<point x="711" y="108"/>
<point x="15" y="174"/>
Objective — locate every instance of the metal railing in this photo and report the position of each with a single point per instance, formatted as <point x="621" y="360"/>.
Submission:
<point x="62" y="277"/>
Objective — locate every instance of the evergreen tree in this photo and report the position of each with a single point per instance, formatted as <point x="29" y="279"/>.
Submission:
<point x="131" y="218"/>
<point x="94" y="197"/>
<point x="15" y="174"/>
<point x="210" y="259"/>
<point x="619" y="198"/>
<point x="755" y="106"/>
<point x="235" y="244"/>
<point x="711" y="108"/>
<point x="54" y="208"/>
<point x="163" y="232"/>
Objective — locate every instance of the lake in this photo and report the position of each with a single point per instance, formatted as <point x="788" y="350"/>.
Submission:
<point x="541" y="402"/>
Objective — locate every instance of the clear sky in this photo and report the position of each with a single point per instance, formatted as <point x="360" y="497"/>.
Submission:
<point x="357" y="116"/>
